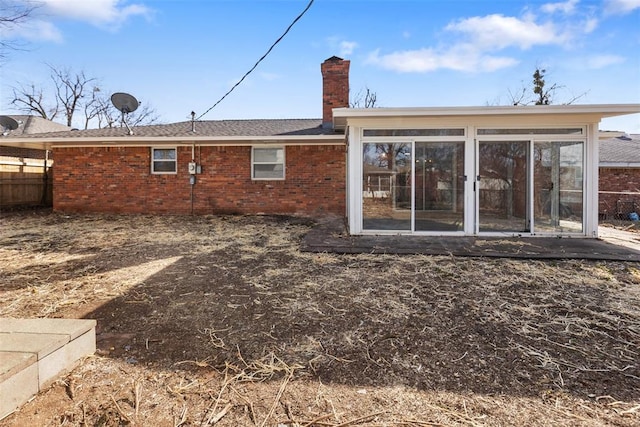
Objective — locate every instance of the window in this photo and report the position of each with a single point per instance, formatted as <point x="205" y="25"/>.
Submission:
<point x="164" y="160"/>
<point x="413" y="132"/>
<point x="531" y="131"/>
<point x="267" y="163"/>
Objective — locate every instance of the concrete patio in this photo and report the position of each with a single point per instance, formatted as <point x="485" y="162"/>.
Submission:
<point x="613" y="245"/>
<point x="35" y="352"/>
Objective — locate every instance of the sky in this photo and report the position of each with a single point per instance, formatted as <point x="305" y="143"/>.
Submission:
<point x="182" y="56"/>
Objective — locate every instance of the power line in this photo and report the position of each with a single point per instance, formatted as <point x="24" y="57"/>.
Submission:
<point x="259" y="60"/>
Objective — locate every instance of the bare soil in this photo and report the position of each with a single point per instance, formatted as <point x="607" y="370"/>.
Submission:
<point x="221" y="320"/>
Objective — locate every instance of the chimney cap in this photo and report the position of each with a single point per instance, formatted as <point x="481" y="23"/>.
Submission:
<point x="334" y="58"/>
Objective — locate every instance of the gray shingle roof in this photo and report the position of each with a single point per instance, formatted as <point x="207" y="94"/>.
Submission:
<point x="213" y="128"/>
<point x="30" y="125"/>
<point x="623" y="149"/>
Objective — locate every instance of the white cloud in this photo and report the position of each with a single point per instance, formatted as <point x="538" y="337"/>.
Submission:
<point x="460" y="58"/>
<point x="499" y="32"/>
<point x="475" y="44"/>
<point x="621" y="7"/>
<point x="590" y="25"/>
<point x="112" y="13"/>
<point x="566" y="7"/>
<point x="342" y="46"/>
<point x="602" y="61"/>
<point x="33" y="30"/>
<point x="347" y="47"/>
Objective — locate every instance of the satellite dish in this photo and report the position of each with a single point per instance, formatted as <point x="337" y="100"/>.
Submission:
<point x="8" y="124"/>
<point x="124" y="102"/>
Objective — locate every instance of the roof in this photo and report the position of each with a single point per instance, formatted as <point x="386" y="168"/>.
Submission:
<point x="261" y="127"/>
<point x="187" y="131"/>
<point x="30" y="125"/>
<point x="621" y="151"/>
<point x="597" y="111"/>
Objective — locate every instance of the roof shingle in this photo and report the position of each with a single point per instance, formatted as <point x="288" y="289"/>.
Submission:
<point x="30" y="125"/>
<point x="213" y="128"/>
<point x="623" y="149"/>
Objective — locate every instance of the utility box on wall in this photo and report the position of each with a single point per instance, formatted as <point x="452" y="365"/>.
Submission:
<point x="194" y="168"/>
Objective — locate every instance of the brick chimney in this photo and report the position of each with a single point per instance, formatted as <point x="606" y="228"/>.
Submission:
<point x="335" y="87"/>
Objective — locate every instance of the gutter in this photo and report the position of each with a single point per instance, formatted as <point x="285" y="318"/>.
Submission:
<point x="136" y="141"/>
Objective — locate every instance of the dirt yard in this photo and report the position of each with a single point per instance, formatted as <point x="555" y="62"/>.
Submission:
<point x="223" y="321"/>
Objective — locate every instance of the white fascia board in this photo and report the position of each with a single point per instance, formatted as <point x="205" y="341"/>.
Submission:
<point x="590" y="112"/>
<point x="136" y="141"/>
<point x="603" y="110"/>
<point x="28" y="143"/>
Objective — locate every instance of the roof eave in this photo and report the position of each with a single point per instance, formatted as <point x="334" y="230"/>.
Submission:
<point x="133" y="140"/>
<point x="341" y="115"/>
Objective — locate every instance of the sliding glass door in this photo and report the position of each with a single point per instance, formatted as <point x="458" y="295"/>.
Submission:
<point x="386" y="187"/>
<point x="439" y="186"/>
<point x="422" y="192"/>
<point x="558" y="188"/>
<point x="503" y="182"/>
<point x="530" y="186"/>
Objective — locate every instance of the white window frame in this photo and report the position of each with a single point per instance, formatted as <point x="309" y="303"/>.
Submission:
<point x="153" y="161"/>
<point x="254" y="162"/>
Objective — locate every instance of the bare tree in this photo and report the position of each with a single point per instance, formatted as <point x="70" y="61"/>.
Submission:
<point x="70" y="88"/>
<point x="144" y="115"/>
<point x="102" y="110"/>
<point x="74" y="93"/>
<point x="12" y="15"/>
<point x="543" y="94"/>
<point x="93" y="107"/>
<point x="32" y="100"/>
<point x="365" y="98"/>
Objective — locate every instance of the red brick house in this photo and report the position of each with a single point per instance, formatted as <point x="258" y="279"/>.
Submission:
<point x="619" y="181"/>
<point x="441" y="171"/>
<point x="239" y="166"/>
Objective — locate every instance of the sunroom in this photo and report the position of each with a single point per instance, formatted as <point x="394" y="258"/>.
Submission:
<point x="524" y="171"/>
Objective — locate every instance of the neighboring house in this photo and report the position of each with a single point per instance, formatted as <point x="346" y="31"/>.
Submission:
<point x="442" y="171"/>
<point x="619" y="180"/>
<point x="16" y="159"/>
<point x="30" y="125"/>
<point x="24" y="172"/>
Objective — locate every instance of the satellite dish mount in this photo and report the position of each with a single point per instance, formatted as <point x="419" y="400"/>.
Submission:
<point x="8" y="124"/>
<point x="126" y="104"/>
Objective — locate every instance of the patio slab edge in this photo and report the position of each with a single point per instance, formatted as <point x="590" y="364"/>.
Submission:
<point x="332" y="238"/>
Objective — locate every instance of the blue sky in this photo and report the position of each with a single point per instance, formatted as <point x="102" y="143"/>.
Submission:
<point x="179" y="56"/>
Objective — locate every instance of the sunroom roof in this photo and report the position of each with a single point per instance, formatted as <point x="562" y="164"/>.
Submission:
<point x="590" y="111"/>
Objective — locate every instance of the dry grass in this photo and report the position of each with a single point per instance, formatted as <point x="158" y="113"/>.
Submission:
<point x="222" y="321"/>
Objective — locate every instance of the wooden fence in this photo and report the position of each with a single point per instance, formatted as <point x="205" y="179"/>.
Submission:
<point x="23" y="189"/>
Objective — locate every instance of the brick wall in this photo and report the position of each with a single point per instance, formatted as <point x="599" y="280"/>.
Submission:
<point x="613" y="184"/>
<point x="118" y="179"/>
